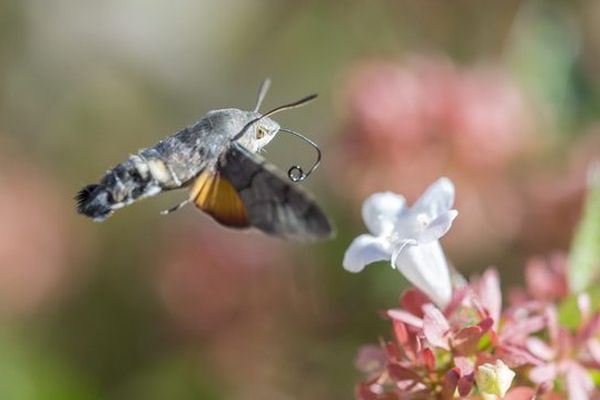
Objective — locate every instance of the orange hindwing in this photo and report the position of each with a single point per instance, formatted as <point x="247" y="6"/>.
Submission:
<point x="215" y="195"/>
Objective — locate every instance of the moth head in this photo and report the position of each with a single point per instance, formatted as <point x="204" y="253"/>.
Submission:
<point x="259" y="129"/>
<point x="263" y="132"/>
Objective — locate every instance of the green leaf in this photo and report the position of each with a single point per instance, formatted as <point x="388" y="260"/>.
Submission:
<point x="569" y="315"/>
<point x="595" y="374"/>
<point x="542" y="50"/>
<point x="584" y="259"/>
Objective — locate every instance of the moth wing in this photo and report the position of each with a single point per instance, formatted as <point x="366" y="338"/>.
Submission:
<point x="214" y="194"/>
<point x="273" y="203"/>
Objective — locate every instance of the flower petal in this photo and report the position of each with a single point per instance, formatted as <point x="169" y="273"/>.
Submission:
<point x="449" y="383"/>
<point x="465" y="340"/>
<point x="520" y="393"/>
<point x="435" y="327"/>
<point x="579" y="382"/>
<point x="464" y="364"/>
<point x="428" y="359"/>
<point x="590" y="329"/>
<point x="438" y="227"/>
<point x="547" y="279"/>
<point x="543" y="373"/>
<point x="406" y="317"/>
<point x="437" y="199"/>
<point x="517" y="331"/>
<point x="365" y="249"/>
<point x="515" y="356"/>
<point x="399" y="373"/>
<point x="593" y="348"/>
<point x="425" y="267"/>
<point x="413" y="300"/>
<point x="488" y="291"/>
<point x="465" y="385"/>
<point x="380" y="210"/>
<point x="539" y="348"/>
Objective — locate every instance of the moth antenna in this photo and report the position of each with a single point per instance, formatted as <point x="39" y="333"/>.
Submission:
<point x="295" y="173"/>
<point x="262" y="92"/>
<point x="299" y="103"/>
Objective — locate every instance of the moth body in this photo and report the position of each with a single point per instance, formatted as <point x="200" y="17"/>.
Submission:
<point x="216" y="158"/>
<point x="175" y="161"/>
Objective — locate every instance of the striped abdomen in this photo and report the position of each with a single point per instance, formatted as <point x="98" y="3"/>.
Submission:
<point x="136" y="178"/>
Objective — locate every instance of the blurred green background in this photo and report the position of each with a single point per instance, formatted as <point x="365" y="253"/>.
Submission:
<point x="502" y="97"/>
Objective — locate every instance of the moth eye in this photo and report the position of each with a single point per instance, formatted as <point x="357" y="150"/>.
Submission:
<point x="260" y="133"/>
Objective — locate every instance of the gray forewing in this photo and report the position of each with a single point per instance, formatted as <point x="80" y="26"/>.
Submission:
<point x="274" y="204"/>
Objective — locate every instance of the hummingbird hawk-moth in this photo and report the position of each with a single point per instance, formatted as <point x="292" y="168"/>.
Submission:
<point x="216" y="159"/>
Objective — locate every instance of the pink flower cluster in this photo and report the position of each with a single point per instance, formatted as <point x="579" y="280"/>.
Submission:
<point x="426" y="101"/>
<point x="439" y="353"/>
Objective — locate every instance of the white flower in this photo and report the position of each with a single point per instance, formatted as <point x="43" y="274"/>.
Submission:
<point x="494" y="379"/>
<point x="408" y="236"/>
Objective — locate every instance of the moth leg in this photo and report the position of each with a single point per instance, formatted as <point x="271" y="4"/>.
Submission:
<point x="177" y="207"/>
